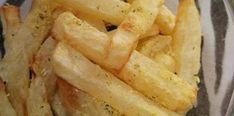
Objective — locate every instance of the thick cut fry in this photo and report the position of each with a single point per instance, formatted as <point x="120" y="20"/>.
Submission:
<point x="57" y="106"/>
<point x="14" y="66"/>
<point x="82" y="36"/>
<point x="157" y="83"/>
<point x="165" y="20"/>
<point x="42" y="67"/>
<point x="37" y="104"/>
<point x="81" y="73"/>
<point x="187" y="41"/>
<point x="158" y="48"/>
<point x="6" y="108"/>
<point x="79" y="103"/>
<point x="112" y="11"/>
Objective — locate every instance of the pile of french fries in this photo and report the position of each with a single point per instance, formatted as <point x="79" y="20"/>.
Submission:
<point x="63" y="60"/>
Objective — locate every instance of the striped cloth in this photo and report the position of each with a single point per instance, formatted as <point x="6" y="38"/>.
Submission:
<point x="215" y="97"/>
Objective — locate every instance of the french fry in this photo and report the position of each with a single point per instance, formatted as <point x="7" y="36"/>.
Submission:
<point x="187" y="41"/>
<point x="6" y="108"/>
<point x="95" y="22"/>
<point x="81" y="35"/>
<point x="14" y="65"/>
<point x="37" y="104"/>
<point x="57" y="106"/>
<point x="75" y="69"/>
<point x="165" y="60"/>
<point x="159" y="49"/>
<point x="42" y="67"/>
<point x="79" y="103"/>
<point x="157" y="83"/>
<point x="153" y="31"/>
<point x="165" y="20"/>
<point x="114" y="11"/>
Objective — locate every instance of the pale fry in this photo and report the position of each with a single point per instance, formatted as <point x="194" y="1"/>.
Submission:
<point x="187" y="41"/>
<point x="6" y="108"/>
<point x="75" y="69"/>
<point x="42" y="66"/>
<point x="82" y="36"/>
<point x="79" y="103"/>
<point x="112" y="11"/>
<point x="157" y="83"/>
<point x="165" y="20"/>
<point x="14" y="65"/>
<point x="37" y="104"/>
<point x="159" y="49"/>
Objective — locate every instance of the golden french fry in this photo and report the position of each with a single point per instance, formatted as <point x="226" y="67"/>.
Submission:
<point x="6" y="108"/>
<point x="93" y="43"/>
<point x="37" y="104"/>
<point x="187" y="41"/>
<point x="112" y="11"/>
<point x="42" y="66"/>
<point x="57" y="106"/>
<point x="75" y="69"/>
<point x="79" y="103"/>
<point x="157" y="83"/>
<point x="158" y="48"/>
